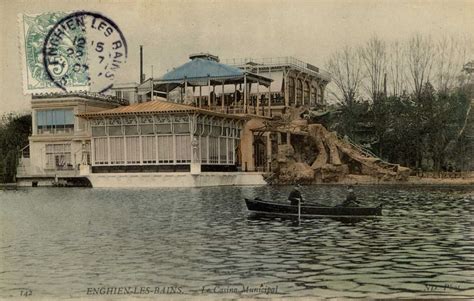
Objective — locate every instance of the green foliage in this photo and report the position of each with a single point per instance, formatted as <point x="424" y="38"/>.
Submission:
<point x="418" y="131"/>
<point x="348" y="119"/>
<point x="14" y="132"/>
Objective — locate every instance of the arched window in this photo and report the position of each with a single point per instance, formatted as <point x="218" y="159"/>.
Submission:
<point x="314" y="93"/>
<point x="299" y="92"/>
<point x="306" y="92"/>
<point x="320" y="94"/>
<point x="291" y="88"/>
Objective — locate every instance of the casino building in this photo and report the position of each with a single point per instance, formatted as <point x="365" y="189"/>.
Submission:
<point x="194" y="126"/>
<point x="158" y="143"/>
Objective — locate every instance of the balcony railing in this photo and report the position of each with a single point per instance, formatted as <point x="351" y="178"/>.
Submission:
<point x="84" y="94"/>
<point x="51" y="131"/>
<point x="277" y="61"/>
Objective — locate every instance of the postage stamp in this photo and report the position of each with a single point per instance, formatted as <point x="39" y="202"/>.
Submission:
<point x="70" y="52"/>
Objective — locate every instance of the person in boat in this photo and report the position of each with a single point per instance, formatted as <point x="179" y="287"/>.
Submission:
<point x="295" y="195"/>
<point x="351" y="198"/>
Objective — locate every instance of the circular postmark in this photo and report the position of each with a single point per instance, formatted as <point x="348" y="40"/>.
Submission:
<point x="84" y="51"/>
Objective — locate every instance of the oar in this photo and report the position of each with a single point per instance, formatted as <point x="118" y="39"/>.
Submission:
<point x="299" y="210"/>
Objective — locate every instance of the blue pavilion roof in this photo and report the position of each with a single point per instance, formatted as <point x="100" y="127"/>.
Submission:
<point x="203" y="68"/>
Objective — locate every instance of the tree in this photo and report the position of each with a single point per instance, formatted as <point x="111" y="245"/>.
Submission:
<point x="419" y="53"/>
<point x="346" y="71"/>
<point x="451" y="55"/>
<point x="449" y="110"/>
<point x="401" y="140"/>
<point x="422" y="113"/>
<point x="345" y="67"/>
<point x="14" y="132"/>
<point x="374" y="58"/>
<point x="396" y="69"/>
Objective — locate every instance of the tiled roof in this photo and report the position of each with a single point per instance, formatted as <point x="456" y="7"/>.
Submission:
<point x="155" y="106"/>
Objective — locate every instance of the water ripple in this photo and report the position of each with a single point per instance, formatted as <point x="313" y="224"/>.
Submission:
<point x="59" y="242"/>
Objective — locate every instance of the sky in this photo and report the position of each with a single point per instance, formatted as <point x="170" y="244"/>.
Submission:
<point x="172" y="30"/>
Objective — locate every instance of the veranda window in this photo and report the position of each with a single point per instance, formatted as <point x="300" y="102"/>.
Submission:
<point x="101" y="151"/>
<point x="58" y="156"/>
<point x="149" y="149"/>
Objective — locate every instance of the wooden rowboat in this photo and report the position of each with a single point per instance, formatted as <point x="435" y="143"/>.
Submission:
<point x="262" y="207"/>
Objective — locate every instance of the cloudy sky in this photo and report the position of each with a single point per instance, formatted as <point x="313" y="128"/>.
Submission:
<point x="171" y="30"/>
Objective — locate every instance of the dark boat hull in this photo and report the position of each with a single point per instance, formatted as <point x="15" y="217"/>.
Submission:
<point x="263" y="207"/>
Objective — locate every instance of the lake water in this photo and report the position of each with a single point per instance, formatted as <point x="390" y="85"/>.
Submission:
<point x="80" y="243"/>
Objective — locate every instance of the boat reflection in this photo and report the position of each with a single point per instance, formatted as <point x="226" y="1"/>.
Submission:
<point x="264" y="216"/>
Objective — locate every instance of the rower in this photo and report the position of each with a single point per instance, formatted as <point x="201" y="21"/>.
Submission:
<point x="295" y="195"/>
<point x="351" y="199"/>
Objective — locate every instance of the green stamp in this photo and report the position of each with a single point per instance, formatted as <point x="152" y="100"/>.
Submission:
<point x="79" y="51"/>
<point x="34" y="29"/>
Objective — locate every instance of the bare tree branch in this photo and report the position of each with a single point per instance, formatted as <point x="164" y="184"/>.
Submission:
<point x="420" y="53"/>
<point x="374" y="58"/>
<point x="345" y="68"/>
<point x="397" y="69"/>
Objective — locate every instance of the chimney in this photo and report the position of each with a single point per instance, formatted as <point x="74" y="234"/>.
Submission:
<point x="141" y="64"/>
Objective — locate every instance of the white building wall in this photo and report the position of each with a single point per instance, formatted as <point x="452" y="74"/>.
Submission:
<point x="36" y="164"/>
<point x="176" y="179"/>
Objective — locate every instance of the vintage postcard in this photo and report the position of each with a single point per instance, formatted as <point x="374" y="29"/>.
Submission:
<point x="236" y="150"/>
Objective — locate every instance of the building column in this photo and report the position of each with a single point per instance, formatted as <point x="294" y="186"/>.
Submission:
<point x="34" y="122"/>
<point x="200" y="96"/>
<point x="223" y="97"/>
<point x="245" y="93"/>
<point x="167" y="92"/>
<point x="234" y="103"/>
<point x="195" y="160"/>
<point x="269" y="93"/>
<point x="208" y="92"/>
<point x="213" y="101"/>
<point x="258" y="97"/>
<point x="92" y="152"/>
<point x="185" y="89"/>
<point x="287" y="86"/>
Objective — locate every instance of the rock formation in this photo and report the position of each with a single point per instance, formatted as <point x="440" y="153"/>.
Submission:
<point x="312" y="154"/>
